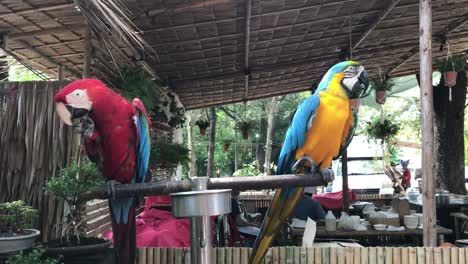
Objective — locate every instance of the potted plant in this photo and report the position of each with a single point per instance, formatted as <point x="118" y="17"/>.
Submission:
<point x="449" y="68"/>
<point x="202" y="124"/>
<point x="68" y="185"/>
<point x="36" y="256"/>
<point x="16" y="222"/>
<point x="382" y="130"/>
<point x="227" y="144"/>
<point x="244" y="127"/>
<point x="381" y="85"/>
<point x="167" y="154"/>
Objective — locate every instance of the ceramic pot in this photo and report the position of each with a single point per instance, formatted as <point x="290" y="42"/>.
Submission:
<point x="450" y="78"/>
<point x="380" y="97"/>
<point x="18" y="243"/>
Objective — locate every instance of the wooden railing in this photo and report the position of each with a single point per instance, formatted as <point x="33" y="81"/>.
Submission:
<point x="299" y="255"/>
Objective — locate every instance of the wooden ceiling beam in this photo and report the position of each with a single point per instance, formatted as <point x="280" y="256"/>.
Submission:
<point x="48" y="31"/>
<point x="38" y="9"/>
<point x="46" y="58"/>
<point x="379" y="19"/>
<point x="454" y="25"/>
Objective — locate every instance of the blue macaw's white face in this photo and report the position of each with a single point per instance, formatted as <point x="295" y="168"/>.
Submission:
<point x="355" y="81"/>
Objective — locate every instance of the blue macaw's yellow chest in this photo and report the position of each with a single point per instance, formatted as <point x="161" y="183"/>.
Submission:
<point x="330" y="127"/>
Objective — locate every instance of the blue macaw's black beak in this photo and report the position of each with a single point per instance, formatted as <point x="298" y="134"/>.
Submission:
<point x="76" y="112"/>
<point x="361" y="87"/>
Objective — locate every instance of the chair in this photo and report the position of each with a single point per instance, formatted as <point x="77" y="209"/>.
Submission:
<point x="460" y="224"/>
<point x="235" y="239"/>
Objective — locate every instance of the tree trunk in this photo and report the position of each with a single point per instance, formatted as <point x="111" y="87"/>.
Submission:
<point x="211" y="146"/>
<point x="191" y="145"/>
<point x="449" y="135"/>
<point x="272" y="110"/>
<point x="260" y="150"/>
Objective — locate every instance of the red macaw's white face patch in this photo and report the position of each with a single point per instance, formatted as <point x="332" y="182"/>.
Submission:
<point x="78" y="99"/>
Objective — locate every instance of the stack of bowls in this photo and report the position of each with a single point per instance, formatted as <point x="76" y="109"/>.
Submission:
<point x="411" y="221"/>
<point x="420" y="219"/>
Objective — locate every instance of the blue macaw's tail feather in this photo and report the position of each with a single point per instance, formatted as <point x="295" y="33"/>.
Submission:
<point x="143" y="148"/>
<point x="123" y="229"/>
<point x="282" y="205"/>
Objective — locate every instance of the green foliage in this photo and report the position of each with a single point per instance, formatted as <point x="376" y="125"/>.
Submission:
<point x="168" y="154"/>
<point x="454" y="63"/>
<point x="384" y="132"/>
<point x="68" y="185"/>
<point x="382" y="84"/>
<point x="35" y="256"/>
<point x="248" y="170"/>
<point x="73" y="180"/>
<point x="16" y="216"/>
<point x="137" y="83"/>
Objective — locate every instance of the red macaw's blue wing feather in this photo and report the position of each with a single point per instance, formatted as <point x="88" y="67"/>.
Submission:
<point x="142" y="124"/>
<point x="285" y="200"/>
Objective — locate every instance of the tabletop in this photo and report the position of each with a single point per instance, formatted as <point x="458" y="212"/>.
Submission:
<point x="321" y="232"/>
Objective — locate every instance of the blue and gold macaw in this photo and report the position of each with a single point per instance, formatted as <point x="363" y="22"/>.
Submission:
<point x="321" y="129"/>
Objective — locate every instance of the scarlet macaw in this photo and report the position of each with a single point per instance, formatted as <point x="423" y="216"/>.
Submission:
<point x="117" y="139"/>
<point x="321" y="129"/>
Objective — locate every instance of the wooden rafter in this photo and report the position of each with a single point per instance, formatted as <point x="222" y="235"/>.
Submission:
<point x="45" y="57"/>
<point x="48" y="31"/>
<point x="248" y="13"/>
<point x="35" y="10"/>
<point x="372" y="26"/>
<point x="451" y="27"/>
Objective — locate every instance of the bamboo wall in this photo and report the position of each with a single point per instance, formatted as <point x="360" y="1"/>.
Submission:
<point x="300" y="255"/>
<point x="34" y="144"/>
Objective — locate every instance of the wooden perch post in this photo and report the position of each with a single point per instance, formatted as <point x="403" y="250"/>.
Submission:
<point x="88" y="46"/>
<point x="239" y="183"/>
<point x="427" y="127"/>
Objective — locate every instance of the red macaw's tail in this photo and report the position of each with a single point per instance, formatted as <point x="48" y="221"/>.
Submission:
<point x="123" y="229"/>
<point x="281" y="207"/>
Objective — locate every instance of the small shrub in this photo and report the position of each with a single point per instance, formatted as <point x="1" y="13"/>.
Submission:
<point x="16" y="216"/>
<point x="35" y="256"/>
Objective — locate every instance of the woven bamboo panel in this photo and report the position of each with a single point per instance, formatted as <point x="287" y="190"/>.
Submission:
<point x="34" y="144"/>
<point x="299" y="255"/>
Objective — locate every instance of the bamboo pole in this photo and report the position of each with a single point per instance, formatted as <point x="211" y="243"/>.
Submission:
<point x="87" y="53"/>
<point x="60" y="73"/>
<point x="427" y="115"/>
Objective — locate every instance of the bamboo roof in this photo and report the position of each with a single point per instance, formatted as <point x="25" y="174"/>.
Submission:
<point x="215" y="52"/>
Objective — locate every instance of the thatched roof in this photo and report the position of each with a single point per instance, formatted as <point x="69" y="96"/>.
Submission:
<point x="205" y="48"/>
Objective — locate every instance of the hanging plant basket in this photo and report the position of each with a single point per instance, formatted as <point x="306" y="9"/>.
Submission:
<point x="244" y="127"/>
<point x="381" y="85"/>
<point x="226" y="145"/>
<point x="450" y="78"/>
<point x="202" y="124"/>
<point x="380" y="97"/>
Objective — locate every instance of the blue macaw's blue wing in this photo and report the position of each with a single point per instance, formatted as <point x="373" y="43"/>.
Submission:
<point x="295" y="136"/>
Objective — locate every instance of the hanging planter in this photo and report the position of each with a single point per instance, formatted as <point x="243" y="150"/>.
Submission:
<point x="244" y="127"/>
<point x="381" y="85"/>
<point x="449" y="68"/>
<point x="227" y="145"/>
<point x="202" y="124"/>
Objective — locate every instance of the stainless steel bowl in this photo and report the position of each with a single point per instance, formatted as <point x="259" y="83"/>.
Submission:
<point x="201" y="203"/>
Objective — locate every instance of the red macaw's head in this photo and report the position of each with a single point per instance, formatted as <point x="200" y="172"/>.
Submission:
<point x="76" y="99"/>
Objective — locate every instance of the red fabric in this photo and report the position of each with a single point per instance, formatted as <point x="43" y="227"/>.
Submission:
<point x="158" y="228"/>
<point x="157" y="200"/>
<point x="333" y="200"/>
<point x="406" y="177"/>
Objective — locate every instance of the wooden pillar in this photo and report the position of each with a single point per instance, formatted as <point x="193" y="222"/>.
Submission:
<point x="427" y="127"/>
<point x="87" y="53"/>
<point x="60" y="73"/>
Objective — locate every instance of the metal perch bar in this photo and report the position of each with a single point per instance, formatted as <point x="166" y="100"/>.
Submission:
<point x="240" y="183"/>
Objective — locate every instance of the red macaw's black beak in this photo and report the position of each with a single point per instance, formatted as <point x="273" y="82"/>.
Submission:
<point x="67" y="112"/>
